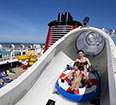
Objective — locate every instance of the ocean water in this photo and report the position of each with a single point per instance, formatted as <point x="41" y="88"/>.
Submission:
<point x="5" y="53"/>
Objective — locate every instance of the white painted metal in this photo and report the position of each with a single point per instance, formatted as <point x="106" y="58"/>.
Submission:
<point x="48" y="68"/>
<point x="9" y="61"/>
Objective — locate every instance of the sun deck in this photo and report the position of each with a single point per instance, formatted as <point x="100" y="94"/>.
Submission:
<point x="18" y="71"/>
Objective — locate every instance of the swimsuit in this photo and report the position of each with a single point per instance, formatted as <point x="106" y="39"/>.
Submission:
<point x="78" y="76"/>
<point x="85" y="63"/>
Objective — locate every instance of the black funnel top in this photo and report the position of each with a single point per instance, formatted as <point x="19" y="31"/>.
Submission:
<point x="68" y="17"/>
<point x="60" y="17"/>
<point x="65" y="20"/>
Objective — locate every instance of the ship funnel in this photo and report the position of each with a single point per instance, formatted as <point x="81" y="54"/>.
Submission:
<point x="85" y="21"/>
<point x="59" y="28"/>
<point x="68" y="17"/>
<point x="60" y="17"/>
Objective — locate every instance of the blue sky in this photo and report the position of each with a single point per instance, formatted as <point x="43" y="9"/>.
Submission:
<point x="27" y="20"/>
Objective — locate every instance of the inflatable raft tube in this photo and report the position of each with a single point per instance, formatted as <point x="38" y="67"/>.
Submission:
<point x="83" y="94"/>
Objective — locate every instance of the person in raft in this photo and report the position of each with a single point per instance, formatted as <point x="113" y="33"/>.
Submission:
<point x="84" y="60"/>
<point x="78" y="74"/>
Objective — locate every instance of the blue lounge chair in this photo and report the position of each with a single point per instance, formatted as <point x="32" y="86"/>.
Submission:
<point x="1" y="84"/>
<point x="6" y="80"/>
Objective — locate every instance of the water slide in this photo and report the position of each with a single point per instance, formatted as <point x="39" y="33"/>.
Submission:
<point x="37" y="85"/>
